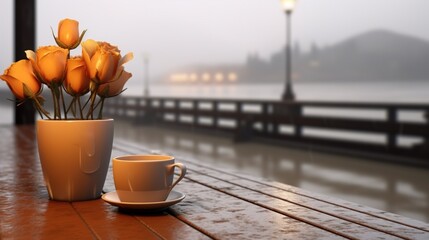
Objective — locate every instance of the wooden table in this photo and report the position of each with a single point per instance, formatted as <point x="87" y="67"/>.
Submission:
<point x="219" y="204"/>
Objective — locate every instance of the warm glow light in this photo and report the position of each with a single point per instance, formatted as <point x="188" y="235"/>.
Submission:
<point x="232" y="77"/>
<point x="193" y="77"/>
<point x="219" y="77"/>
<point x="288" y="5"/>
<point x="179" y="77"/>
<point x="206" y="77"/>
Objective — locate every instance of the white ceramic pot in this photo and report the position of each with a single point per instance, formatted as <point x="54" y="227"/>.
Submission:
<point x="75" y="156"/>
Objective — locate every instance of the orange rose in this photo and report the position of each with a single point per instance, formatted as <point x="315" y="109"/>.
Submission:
<point x="103" y="60"/>
<point x="77" y="79"/>
<point x="21" y="80"/>
<point x="49" y="62"/>
<point x="68" y="34"/>
<point x="114" y="88"/>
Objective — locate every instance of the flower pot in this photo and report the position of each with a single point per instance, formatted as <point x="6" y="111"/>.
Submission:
<point x="75" y="156"/>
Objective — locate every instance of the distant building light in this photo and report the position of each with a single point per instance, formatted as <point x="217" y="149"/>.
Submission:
<point x="179" y="77"/>
<point x="219" y="77"/>
<point x="193" y="77"/>
<point x="206" y="77"/>
<point x="232" y="77"/>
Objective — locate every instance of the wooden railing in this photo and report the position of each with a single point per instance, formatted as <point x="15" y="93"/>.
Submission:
<point x="391" y="131"/>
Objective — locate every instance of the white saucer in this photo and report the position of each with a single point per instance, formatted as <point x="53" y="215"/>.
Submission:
<point x="173" y="198"/>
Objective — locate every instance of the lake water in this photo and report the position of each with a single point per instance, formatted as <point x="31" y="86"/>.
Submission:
<point x="412" y="91"/>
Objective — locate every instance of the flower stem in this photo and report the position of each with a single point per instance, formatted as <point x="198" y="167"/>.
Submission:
<point x="80" y="107"/>
<point x="86" y="102"/>
<point x="57" y="98"/>
<point x="72" y="104"/>
<point x="100" y="111"/>
<point x="74" y="108"/>
<point x="40" y="109"/>
<point x="62" y="100"/>
<point x="54" y="99"/>
<point x="94" y="89"/>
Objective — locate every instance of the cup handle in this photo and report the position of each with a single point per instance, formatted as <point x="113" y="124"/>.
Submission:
<point x="182" y="173"/>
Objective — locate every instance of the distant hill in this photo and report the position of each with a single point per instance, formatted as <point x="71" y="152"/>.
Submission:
<point x="376" y="55"/>
<point x="372" y="56"/>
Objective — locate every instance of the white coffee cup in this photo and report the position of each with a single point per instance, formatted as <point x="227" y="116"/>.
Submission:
<point x="145" y="178"/>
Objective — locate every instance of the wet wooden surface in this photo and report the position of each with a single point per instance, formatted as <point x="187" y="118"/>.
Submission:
<point x="218" y="204"/>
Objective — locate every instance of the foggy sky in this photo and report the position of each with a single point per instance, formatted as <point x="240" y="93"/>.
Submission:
<point x="176" y="33"/>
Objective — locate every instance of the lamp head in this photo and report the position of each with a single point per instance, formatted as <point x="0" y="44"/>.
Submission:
<point x="288" y="5"/>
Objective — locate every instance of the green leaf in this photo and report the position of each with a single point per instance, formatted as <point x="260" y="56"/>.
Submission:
<point x="59" y="43"/>
<point x="27" y="91"/>
<point x="41" y="100"/>
<point x="80" y="40"/>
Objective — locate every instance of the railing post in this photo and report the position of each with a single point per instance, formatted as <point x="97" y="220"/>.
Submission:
<point x="194" y="113"/>
<point x="176" y="110"/>
<point x="426" y="139"/>
<point x="292" y="111"/>
<point x="240" y="121"/>
<point x="138" y="110"/>
<point x="265" y="117"/>
<point x="143" y="109"/>
<point x="391" y="120"/>
<point x="148" y="113"/>
<point x="215" y="106"/>
<point x="243" y="124"/>
<point x="276" y="112"/>
<point x="297" y="116"/>
<point x="424" y="146"/>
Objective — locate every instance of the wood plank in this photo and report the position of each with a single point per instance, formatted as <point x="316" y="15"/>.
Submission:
<point x="262" y="194"/>
<point x="299" y="205"/>
<point x="350" y="205"/>
<point x="108" y="223"/>
<point x="170" y="227"/>
<point x="25" y="209"/>
<point x="224" y="216"/>
<point x="29" y="219"/>
<point x="333" y="224"/>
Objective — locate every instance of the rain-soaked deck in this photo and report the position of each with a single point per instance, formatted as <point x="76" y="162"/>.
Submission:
<point x="219" y="203"/>
<point x="390" y="187"/>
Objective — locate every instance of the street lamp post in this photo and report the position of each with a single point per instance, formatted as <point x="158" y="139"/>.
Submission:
<point x="146" y="75"/>
<point x="288" y="7"/>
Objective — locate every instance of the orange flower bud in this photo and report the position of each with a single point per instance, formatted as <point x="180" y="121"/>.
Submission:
<point x="77" y="79"/>
<point x="49" y="62"/>
<point x="114" y="88"/>
<point x="68" y="32"/>
<point x="21" y="80"/>
<point x="103" y="60"/>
